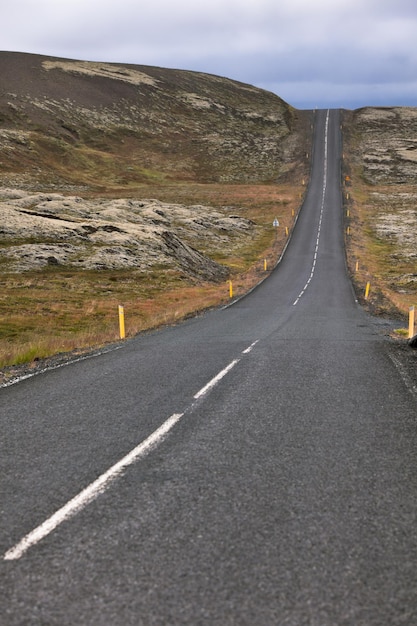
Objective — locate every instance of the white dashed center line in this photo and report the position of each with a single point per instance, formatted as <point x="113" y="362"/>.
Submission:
<point x="103" y="482"/>
<point x="316" y="250"/>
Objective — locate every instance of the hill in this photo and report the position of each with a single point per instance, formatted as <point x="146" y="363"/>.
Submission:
<point x="152" y="186"/>
<point x="117" y="135"/>
<point x="380" y="194"/>
<point x="137" y="185"/>
<point x="75" y="124"/>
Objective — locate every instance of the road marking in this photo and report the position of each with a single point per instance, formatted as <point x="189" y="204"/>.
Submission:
<point x="19" y="379"/>
<point x="326" y="132"/>
<point x="95" y="488"/>
<point x="221" y="374"/>
<point x="250" y="347"/>
<point x="215" y="380"/>
<point x="103" y="482"/>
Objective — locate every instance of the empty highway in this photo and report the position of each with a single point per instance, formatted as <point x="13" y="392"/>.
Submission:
<point x="255" y="465"/>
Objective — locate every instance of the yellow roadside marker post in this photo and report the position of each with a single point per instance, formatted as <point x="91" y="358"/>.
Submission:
<point x="230" y="289"/>
<point x="411" y="318"/>
<point x="368" y="287"/>
<point x="122" y="322"/>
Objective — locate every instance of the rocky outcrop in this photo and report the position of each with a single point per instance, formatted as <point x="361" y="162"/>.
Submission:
<point x="387" y="144"/>
<point x="382" y="147"/>
<point x="191" y="261"/>
<point x="38" y="230"/>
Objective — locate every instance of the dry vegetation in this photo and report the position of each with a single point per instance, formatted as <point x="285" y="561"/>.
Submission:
<point x="199" y="144"/>
<point x="107" y="133"/>
<point x="59" y="309"/>
<point x="380" y="196"/>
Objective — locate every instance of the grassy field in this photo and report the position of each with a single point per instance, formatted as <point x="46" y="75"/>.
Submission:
<point x="60" y="309"/>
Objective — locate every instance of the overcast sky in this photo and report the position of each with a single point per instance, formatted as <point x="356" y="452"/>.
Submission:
<point x="312" y="53"/>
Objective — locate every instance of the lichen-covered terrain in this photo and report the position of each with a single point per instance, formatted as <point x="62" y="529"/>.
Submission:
<point x="39" y="230"/>
<point x="155" y="186"/>
<point x="67" y="123"/>
<point x="133" y="184"/>
<point x="381" y="195"/>
<point x="387" y="145"/>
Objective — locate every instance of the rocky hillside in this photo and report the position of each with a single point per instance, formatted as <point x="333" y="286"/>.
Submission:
<point x="386" y="144"/>
<point x="39" y="230"/>
<point x="74" y="124"/>
<point x="83" y="144"/>
<point x="381" y="145"/>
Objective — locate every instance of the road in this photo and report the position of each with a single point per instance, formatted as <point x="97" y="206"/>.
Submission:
<point x="255" y="465"/>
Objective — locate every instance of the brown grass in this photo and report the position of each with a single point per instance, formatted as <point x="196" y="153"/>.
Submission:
<point x="56" y="310"/>
<point x="378" y="258"/>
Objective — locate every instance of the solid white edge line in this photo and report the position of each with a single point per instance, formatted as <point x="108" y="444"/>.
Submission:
<point x="19" y="379"/>
<point x="215" y="380"/>
<point x="100" y="485"/>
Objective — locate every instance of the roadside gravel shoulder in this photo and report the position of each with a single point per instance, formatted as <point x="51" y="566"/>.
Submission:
<point x="405" y="360"/>
<point x="16" y="373"/>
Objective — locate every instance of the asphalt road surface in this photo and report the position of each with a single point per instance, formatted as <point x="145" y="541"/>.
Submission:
<point x="255" y="465"/>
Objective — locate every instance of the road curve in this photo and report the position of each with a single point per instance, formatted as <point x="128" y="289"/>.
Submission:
<point x="253" y="465"/>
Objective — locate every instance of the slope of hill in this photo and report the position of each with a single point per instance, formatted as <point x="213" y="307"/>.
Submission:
<point x="124" y="130"/>
<point x="134" y="184"/>
<point x="381" y="149"/>
<point x="68" y="123"/>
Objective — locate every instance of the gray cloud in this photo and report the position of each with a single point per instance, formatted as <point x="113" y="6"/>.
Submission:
<point x="328" y="53"/>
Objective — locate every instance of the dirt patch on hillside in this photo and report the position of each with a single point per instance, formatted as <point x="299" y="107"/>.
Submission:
<point x="106" y="70"/>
